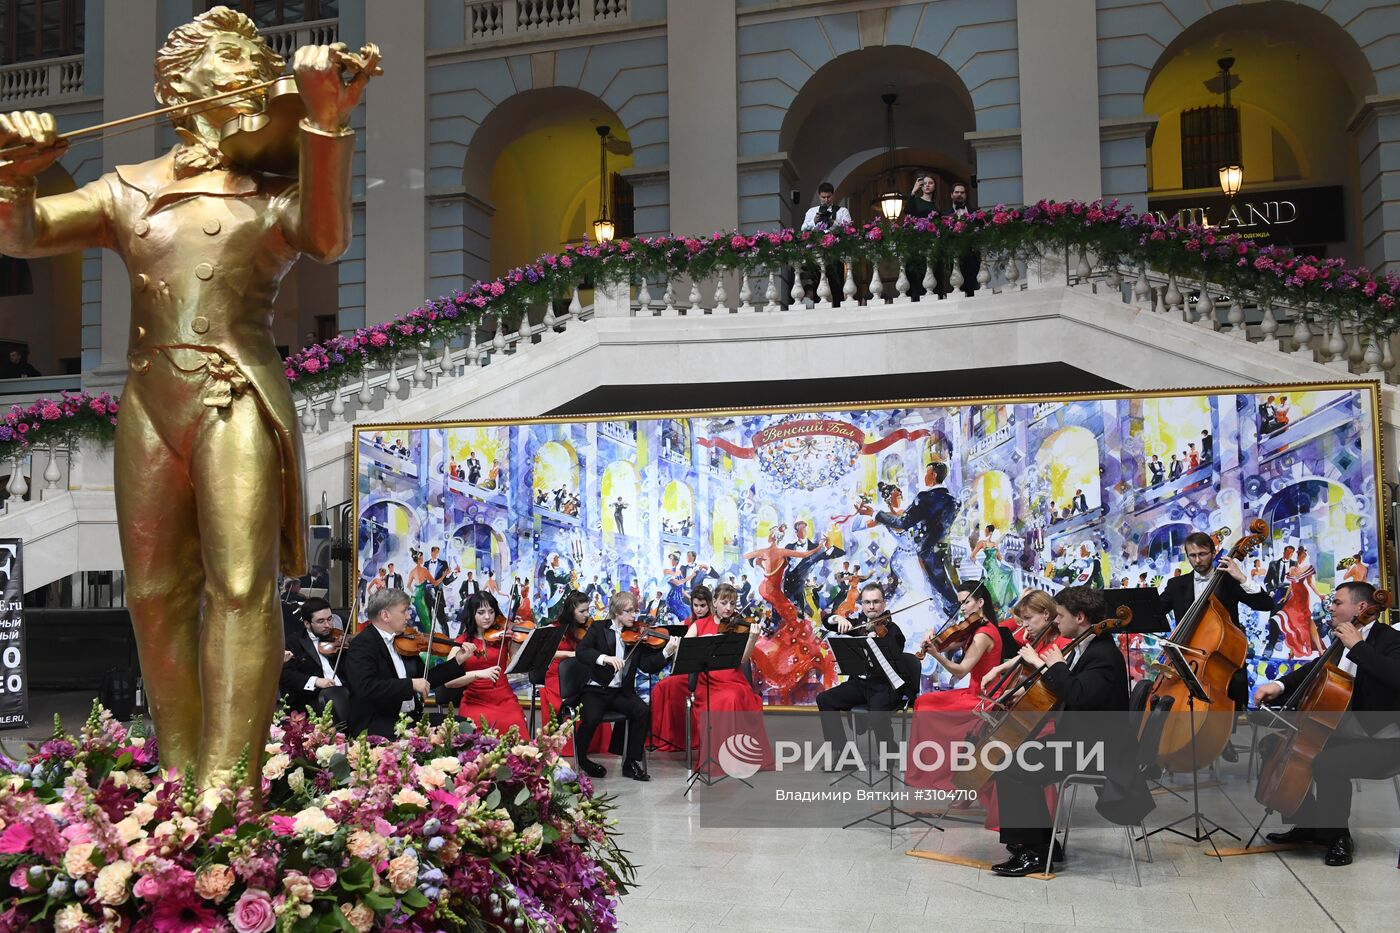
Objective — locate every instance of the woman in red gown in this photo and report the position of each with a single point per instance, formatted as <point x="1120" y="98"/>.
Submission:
<point x="668" y="706"/>
<point x="793" y="650"/>
<point x="573" y="614"/>
<point x="726" y="706"/>
<point x="487" y="696"/>
<point x="945" y="716"/>
<point x="1296" y="616"/>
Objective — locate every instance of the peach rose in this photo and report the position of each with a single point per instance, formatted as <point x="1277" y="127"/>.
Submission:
<point x="214" y="882"/>
<point x="403" y="873"/>
<point x="360" y="916"/>
<point x="77" y="861"/>
<point x="364" y="844"/>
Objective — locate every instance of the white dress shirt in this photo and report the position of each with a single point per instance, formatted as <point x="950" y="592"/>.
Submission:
<point x="809" y="222"/>
<point x="327" y="671"/>
<point x="618" y="652"/>
<point x="407" y="705"/>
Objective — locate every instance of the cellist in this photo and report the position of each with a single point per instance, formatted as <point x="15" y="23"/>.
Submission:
<point x="1236" y="588"/>
<point x="1365" y="745"/>
<point x="1094" y="678"/>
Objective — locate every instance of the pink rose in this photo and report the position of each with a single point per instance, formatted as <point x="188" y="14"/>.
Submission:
<point x="253" y="913"/>
<point x="311" y="365"/>
<point x="378" y="339"/>
<point x="146" y="887"/>
<point x="322" y="878"/>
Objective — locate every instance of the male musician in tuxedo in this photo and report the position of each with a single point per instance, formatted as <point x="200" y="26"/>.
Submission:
<point x="613" y="668"/>
<point x="1366" y="744"/>
<point x="928" y="518"/>
<point x="309" y="676"/>
<point x="1093" y="678"/>
<point x="392" y="580"/>
<point x="878" y="692"/>
<point x="383" y="684"/>
<point x="1235" y="588"/>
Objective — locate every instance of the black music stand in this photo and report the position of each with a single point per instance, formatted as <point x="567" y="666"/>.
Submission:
<point x="1194" y="691"/>
<point x="701" y="655"/>
<point x="534" y="657"/>
<point x="853" y="659"/>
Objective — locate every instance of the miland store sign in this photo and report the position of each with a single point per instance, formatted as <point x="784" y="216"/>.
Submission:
<point x="1292" y="217"/>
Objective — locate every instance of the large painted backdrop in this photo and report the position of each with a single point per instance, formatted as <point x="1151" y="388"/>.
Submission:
<point x="798" y="508"/>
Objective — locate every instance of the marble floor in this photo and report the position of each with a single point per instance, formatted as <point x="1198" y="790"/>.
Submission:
<point x="696" y="878"/>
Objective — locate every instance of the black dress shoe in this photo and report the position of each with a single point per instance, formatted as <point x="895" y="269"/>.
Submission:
<point x="635" y="771"/>
<point x="592" y="768"/>
<point x="1298" y="835"/>
<point x="1339" y="852"/>
<point x="1230" y="753"/>
<point x="1025" y="862"/>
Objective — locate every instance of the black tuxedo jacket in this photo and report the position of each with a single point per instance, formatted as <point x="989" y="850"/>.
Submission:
<point x="1180" y="593"/>
<point x="599" y="641"/>
<point x="377" y="691"/>
<point x="303" y="664"/>
<point x="1376" y="696"/>
<point x="394" y="581"/>
<point x="928" y="516"/>
<point x="468" y="588"/>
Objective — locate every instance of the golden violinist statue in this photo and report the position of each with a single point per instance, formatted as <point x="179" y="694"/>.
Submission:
<point x="208" y="457"/>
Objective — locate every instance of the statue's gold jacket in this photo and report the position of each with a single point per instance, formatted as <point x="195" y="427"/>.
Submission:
<point x="206" y="254"/>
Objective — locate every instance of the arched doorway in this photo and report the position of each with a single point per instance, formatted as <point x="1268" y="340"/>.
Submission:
<point x="535" y="159"/>
<point x="1297" y="79"/>
<point x="835" y="127"/>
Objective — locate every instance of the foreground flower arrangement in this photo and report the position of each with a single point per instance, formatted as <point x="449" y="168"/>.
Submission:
<point x="1327" y="291"/>
<point x="436" y="830"/>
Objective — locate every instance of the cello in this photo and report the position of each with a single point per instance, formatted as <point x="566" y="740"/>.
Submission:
<point x="1214" y="647"/>
<point x="1025" y="716"/>
<point x="1320" y="700"/>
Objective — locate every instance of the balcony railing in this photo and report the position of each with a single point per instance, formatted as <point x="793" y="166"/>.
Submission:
<point x="49" y="78"/>
<point x="505" y="19"/>
<point x="288" y="38"/>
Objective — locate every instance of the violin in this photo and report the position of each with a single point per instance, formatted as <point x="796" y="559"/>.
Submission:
<point x="580" y="629"/>
<point x="413" y="642"/>
<point x="1321" y="700"/>
<point x="953" y="636"/>
<point x="649" y="635"/>
<point x="335" y="638"/>
<point x="503" y="630"/>
<point x="737" y="625"/>
<point x="267" y="141"/>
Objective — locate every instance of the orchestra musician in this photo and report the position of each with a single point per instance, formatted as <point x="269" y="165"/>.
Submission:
<point x="668" y="706"/>
<point x="613" y="666"/>
<point x="1093" y="678"/>
<point x="309" y="679"/>
<point x="876" y="693"/>
<point x="1234" y="589"/>
<point x="1035" y="611"/>
<point x="384" y="684"/>
<point x="1366" y="744"/>
<point x="486" y="694"/>
<point x="575" y="613"/>
<point x="724" y="695"/>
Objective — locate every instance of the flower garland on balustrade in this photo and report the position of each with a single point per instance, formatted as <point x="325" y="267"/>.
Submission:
<point x="1326" y="290"/>
<point x="435" y="830"/>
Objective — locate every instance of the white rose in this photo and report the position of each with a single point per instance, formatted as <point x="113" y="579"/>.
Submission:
<point x="314" y="819"/>
<point x="410" y="797"/>
<point x="446" y="764"/>
<point x="138" y="780"/>
<point x="143" y="813"/>
<point x="77" y="861"/>
<point x="276" y="766"/>
<point x="324" y="754"/>
<point x="297" y="781"/>
<point x="129" y="830"/>
<point x="111" y="884"/>
<point x="70" y="918"/>
<point x="431" y="777"/>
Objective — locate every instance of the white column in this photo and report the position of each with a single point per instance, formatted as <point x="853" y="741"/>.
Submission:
<point x="396" y="246"/>
<point x="131" y="37"/>
<point x="702" y="74"/>
<point x="1059" y="94"/>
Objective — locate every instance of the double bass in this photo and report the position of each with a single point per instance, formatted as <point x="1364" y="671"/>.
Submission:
<point x="1214" y="647"/>
<point x="1025" y="716"/>
<point x="1319" y="702"/>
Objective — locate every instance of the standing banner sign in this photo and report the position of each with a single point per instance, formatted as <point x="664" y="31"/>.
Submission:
<point x="14" y="682"/>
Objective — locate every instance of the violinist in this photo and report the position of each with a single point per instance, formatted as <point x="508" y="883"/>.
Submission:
<point x="613" y="667"/>
<point x="383" y="684"/>
<point x="1093" y="678"/>
<point x="575" y="616"/>
<point x="310" y="671"/>
<point x="939" y="715"/>
<point x="878" y="694"/>
<point x="1235" y="588"/>
<point x="487" y="699"/>
<point x="668" y="696"/>
<point x="1366" y="744"/>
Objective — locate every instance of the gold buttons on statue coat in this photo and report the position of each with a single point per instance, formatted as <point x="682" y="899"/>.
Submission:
<point x="141" y="227"/>
<point x="211" y="226"/>
<point x="143" y="281"/>
<point x="204" y="271"/>
<point x="200" y="325"/>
